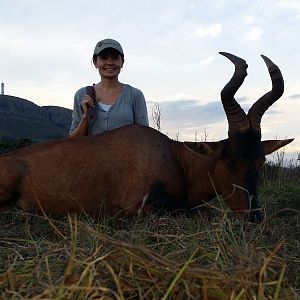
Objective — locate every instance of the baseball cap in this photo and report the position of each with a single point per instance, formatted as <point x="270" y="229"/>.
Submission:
<point x="108" y="43"/>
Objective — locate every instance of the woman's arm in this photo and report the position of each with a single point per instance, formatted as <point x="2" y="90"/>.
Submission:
<point x="82" y="127"/>
<point x="80" y="120"/>
<point x="140" y="109"/>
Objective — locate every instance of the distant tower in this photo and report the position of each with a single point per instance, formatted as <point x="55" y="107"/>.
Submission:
<point x="2" y="88"/>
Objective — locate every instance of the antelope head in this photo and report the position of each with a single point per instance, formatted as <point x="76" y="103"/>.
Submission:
<point x="243" y="153"/>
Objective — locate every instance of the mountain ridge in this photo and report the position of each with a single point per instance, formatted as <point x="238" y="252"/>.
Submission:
<point x="21" y="118"/>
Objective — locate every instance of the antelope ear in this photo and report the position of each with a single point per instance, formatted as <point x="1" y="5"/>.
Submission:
<point x="206" y="148"/>
<point x="272" y="145"/>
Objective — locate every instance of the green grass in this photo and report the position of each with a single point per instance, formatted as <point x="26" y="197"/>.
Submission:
<point x="207" y="256"/>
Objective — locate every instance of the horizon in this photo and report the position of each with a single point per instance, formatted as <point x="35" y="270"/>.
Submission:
<point x="281" y="157"/>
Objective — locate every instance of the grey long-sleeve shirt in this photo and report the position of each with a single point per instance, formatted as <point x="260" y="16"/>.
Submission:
<point x="129" y="108"/>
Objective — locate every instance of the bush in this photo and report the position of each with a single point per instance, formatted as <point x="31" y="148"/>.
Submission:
<point x="7" y="146"/>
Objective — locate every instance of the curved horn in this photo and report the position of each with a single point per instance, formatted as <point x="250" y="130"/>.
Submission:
<point x="237" y="119"/>
<point x="257" y="110"/>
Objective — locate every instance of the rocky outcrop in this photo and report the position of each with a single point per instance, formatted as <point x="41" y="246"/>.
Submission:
<point x="20" y="118"/>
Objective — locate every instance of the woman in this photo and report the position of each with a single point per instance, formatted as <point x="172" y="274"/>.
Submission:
<point x="116" y="104"/>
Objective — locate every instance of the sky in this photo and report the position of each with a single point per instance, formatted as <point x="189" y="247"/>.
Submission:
<point x="171" y="53"/>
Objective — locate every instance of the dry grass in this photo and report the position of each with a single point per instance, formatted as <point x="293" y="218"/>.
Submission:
<point x="209" y="255"/>
<point x="153" y="257"/>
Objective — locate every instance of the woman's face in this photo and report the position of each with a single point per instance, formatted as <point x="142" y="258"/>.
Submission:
<point x="109" y="63"/>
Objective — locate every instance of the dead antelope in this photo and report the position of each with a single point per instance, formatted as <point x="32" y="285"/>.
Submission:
<point x="134" y="167"/>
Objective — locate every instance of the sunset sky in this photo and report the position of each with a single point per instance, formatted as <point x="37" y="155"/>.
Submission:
<point x="171" y="53"/>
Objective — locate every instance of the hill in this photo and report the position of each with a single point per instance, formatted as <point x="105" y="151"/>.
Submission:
<point x="20" y="118"/>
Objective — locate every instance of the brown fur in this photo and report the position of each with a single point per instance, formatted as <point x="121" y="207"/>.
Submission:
<point x="113" y="172"/>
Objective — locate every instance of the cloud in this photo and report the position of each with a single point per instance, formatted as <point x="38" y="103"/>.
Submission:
<point x="211" y="31"/>
<point x="292" y="4"/>
<point x="175" y="97"/>
<point x="189" y="114"/>
<point x="188" y="117"/>
<point x="295" y="97"/>
<point x="255" y="34"/>
<point x="242" y="99"/>
<point x="249" y="19"/>
<point x="207" y="60"/>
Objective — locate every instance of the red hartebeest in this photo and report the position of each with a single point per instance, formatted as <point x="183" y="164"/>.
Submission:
<point x="133" y="167"/>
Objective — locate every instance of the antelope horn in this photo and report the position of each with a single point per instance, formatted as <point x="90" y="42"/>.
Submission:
<point x="237" y="119"/>
<point x="257" y="110"/>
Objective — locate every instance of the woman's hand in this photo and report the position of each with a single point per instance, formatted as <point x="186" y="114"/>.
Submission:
<point x="86" y="103"/>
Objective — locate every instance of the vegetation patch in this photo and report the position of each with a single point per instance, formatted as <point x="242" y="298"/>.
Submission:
<point x="151" y="257"/>
<point x="210" y="255"/>
<point x="7" y="146"/>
